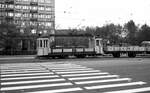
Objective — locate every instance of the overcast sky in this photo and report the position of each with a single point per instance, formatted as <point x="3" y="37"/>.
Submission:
<point x="80" y="13"/>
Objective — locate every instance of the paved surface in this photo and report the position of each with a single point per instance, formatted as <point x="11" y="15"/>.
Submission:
<point x="96" y="75"/>
<point x="76" y="76"/>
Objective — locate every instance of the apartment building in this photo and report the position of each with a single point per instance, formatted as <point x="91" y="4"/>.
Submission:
<point x="30" y="16"/>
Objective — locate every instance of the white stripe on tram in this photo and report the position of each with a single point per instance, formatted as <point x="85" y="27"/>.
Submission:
<point x="145" y="89"/>
<point x="114" y="85"/>
<point x="27" y="74"/>
<point x="94" y="77"/>
<point x="32" y="77"/>
<point x="35" y="86"/>
<point x="69" y="72"/>
<point x="103" y="81"/>
<point x="59" y="90"/>
<point x="88" y="74"/>
<point x="31" y="81"/>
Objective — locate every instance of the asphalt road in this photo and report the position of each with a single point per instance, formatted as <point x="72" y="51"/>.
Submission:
<point x="75" y="75"/>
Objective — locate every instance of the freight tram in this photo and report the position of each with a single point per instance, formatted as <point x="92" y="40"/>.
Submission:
<point x="96" y="47"/>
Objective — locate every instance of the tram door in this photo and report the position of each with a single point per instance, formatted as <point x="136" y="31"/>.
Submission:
<point x="42" y="46"/>
<point x="99" y="46"/>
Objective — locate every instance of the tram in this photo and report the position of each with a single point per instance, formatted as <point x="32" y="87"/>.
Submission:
<point x="96" y="47"/>
<point x="44" y="49"/>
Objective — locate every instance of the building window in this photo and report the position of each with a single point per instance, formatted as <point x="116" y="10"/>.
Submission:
<point x="35" y="15"/>
<point x="10" y="6"/>
<point x="30" y="15"/>
<point x="26" y="0"/>
<point x="2" y="6"/>
<point x="17" y="14"/>
<point x="41" y="16"/>
<point x="33" y="23"/>
<point x="49" y="16"/>
<point x="25" y="15"/>
<point x="34" y="0"/>
<point x="25" y="7"/>
<point x="48" y="9"/>
<point x="41" y="8"/>
<point x="10" y="14"/>
<point x="18" y="6"/>
<point x="34" y="8"/>
<point x="3" y="14"/>
<point x="41" y="1"/>
<point x="48" y="24"/>
<point x="48" y="1"/>
<point x="19" y="0"/>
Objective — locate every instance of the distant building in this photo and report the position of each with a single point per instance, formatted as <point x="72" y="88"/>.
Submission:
<point x="30" y="16"/>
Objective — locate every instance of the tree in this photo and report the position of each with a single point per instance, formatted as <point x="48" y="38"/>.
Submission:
<point x="144" y="33"/>
<point x="90" y="30"/>
<point x="132" y="30"/>
<point x="111" y="32"/>
<point x="8" y="35"/>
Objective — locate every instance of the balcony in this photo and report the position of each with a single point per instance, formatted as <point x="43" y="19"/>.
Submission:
<point x="33" y="11"/>
<point x="9" y="10"/>
<point x="9" y="1"/>
<point x="34" y="3"/>
<point x="9" y="19"/>
<point x="33" y="19"/>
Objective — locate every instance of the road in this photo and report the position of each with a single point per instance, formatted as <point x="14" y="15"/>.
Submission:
<point x="87" y="75"/>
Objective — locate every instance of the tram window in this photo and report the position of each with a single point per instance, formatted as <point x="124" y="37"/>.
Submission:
<point x="40" y="43"/>
<point x="46" y="43"/>
<point x="37" y="43"/>
<point x="97" y="42"/>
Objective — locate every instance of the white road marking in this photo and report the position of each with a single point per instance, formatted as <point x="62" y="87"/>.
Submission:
<point x="73" y="69"/>
<point x="21" y="65"/>
<point x="88" y="74"/>
<point x="69" y="72"/>
<point x="35" y="86"/>
<point x="31" y="81"/>
<point x="145" y="89"/>
<point x="31" y="77"/>
<point x="114" y="85"/>
<point x="32" y="74"/>
<point x="19" y="72"/>
<point x="22" y="69"/>
<point x="66" y="70"/>
<point x="103" y="81"/>
<point x="59" y="90"/>
<point x="61" y="65"/>
<point x="94" y="77"/>
<point x="55" y="68"/>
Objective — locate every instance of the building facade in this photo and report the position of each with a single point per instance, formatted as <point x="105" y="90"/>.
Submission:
<point x="30" y="16"/>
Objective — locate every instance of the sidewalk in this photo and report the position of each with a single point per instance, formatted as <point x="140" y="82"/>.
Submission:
<point x="2" y="57"/>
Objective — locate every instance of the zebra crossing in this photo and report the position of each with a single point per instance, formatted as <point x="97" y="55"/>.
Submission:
<point x="63" y="77"/>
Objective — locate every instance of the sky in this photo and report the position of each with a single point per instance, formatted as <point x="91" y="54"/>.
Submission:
<point x="82" y="13"/>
